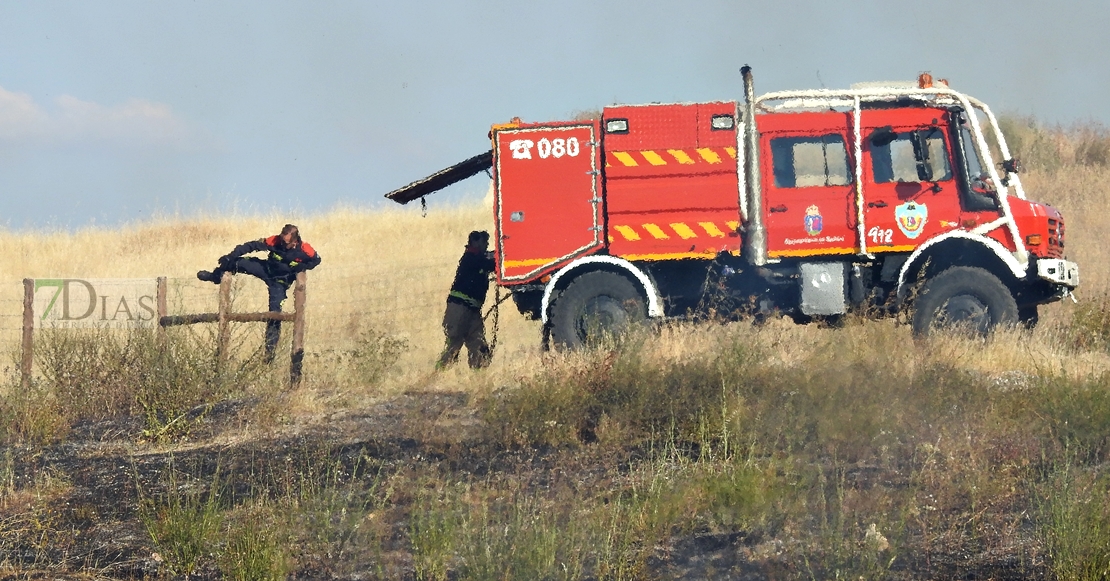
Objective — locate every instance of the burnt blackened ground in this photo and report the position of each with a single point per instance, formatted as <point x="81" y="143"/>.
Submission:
<point x="74" y="510"/>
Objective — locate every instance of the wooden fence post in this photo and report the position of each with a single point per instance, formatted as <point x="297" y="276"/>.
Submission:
<point x="224" y="317"/>
<point x="28" y="332"/>
<point x="223" y="329"/>
<point x="296" y="360"/>
<point x="162" y="309"/>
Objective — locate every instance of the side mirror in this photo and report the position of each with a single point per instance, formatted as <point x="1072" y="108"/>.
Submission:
<point x="921" y="152"/>
<point x="882" y="136"/>
<point x="1012" y="166"/>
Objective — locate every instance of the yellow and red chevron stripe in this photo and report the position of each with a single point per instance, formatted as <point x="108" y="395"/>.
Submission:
<point x="678" y="157"/>
<point x="682" y="230"/>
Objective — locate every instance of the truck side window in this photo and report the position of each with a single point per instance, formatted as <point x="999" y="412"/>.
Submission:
<point x="971" y="154"/>
<point x="912" y="156"/>
<point x="978" y="192"/>
<point x="800" y="162"/>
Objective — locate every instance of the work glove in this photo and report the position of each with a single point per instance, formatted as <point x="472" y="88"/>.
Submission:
<point x="226" y="260"/>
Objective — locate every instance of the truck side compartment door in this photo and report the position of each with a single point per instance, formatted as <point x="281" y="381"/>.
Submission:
<point x="547" y="197"/>
<point x="670" y="180"/>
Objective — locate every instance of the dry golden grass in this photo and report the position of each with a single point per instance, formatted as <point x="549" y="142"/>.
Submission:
<point x="382" y="272"/>
<point x="386" y="272"/>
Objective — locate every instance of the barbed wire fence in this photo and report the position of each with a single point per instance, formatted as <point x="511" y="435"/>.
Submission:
<point x="340" y="303"/>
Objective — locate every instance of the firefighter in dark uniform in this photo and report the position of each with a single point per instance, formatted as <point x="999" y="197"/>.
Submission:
<point x="287" y="255"/>
<point x="462" y="321"/>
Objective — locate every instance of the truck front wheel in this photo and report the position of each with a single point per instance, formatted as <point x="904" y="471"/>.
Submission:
<point x="964" y="297"/>
<point x="595" y="305"/>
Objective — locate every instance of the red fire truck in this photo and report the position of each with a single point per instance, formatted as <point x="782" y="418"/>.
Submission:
<point x="879" y="199"/>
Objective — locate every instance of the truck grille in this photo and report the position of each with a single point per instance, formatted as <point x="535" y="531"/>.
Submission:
<point x="1055" y="237"/>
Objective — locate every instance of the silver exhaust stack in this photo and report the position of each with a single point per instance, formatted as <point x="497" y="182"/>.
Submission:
<point x="756" y="243"/>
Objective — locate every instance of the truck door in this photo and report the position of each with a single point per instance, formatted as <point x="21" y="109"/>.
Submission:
<point x="809" y="197"/>
<point x="547" y="198"/>
<point x="909" y="193"/>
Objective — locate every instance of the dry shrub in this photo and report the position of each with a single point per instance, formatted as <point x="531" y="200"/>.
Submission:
<point x="256" y="547"/>
<point x="95" y="375"/>
<point x="1088" y="328"/>
<point x="1039" y="148"/>
<point x="1053" y="148"/>
<point x="1093" y="144"/>
<point x="865" y="437"/>
<point x="1070" y="416"/>
<point x="34" y="535"/>
<point x="635" y="391"/>
<point x="368" y="358"/>
<point x="31" y="415"/>
<point x="1076" y="524"/>
<point x="845" y="392"/>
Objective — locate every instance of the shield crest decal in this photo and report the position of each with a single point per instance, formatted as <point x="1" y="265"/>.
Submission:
<point x="813" y="221"/>
<point x="911" y="218"/>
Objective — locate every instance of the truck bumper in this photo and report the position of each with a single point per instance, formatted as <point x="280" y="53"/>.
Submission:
<point x="1058" y="271"/>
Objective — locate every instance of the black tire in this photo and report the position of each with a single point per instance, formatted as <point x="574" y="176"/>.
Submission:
<point x="824" y="321"/>
<point x="1029" y="316"/>
<point x="595" y="305"/>
<point x="964" y="297"/>
<point x="545" y="340"/>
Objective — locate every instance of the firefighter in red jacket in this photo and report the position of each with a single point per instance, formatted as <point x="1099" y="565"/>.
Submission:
<point x="462" y="321"/>
<point x="287" y="255"/>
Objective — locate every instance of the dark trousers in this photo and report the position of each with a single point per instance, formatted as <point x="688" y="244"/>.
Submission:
<point x="463" y="325"/>
<point x="277" y="289"/>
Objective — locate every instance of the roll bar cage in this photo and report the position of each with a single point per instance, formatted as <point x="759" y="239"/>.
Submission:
<point x="853" y="100"/>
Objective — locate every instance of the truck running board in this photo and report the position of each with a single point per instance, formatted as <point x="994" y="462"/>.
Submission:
<point x="442" y="178"/>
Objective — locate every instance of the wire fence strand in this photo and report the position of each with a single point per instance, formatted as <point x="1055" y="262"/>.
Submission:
<point x="371" y="289"/>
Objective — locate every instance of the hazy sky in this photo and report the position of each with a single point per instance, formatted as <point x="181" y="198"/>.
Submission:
<point x="115" y="111"/>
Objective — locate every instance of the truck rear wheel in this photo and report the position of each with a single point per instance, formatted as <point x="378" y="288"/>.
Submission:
<point x="595" y="305"/>
<point x="1029" y="316"/>
<point x="964" y="297"/>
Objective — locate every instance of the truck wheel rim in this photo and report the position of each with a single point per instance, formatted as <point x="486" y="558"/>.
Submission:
<point x="965" y="311"/>
<point x="601" y="316"/>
